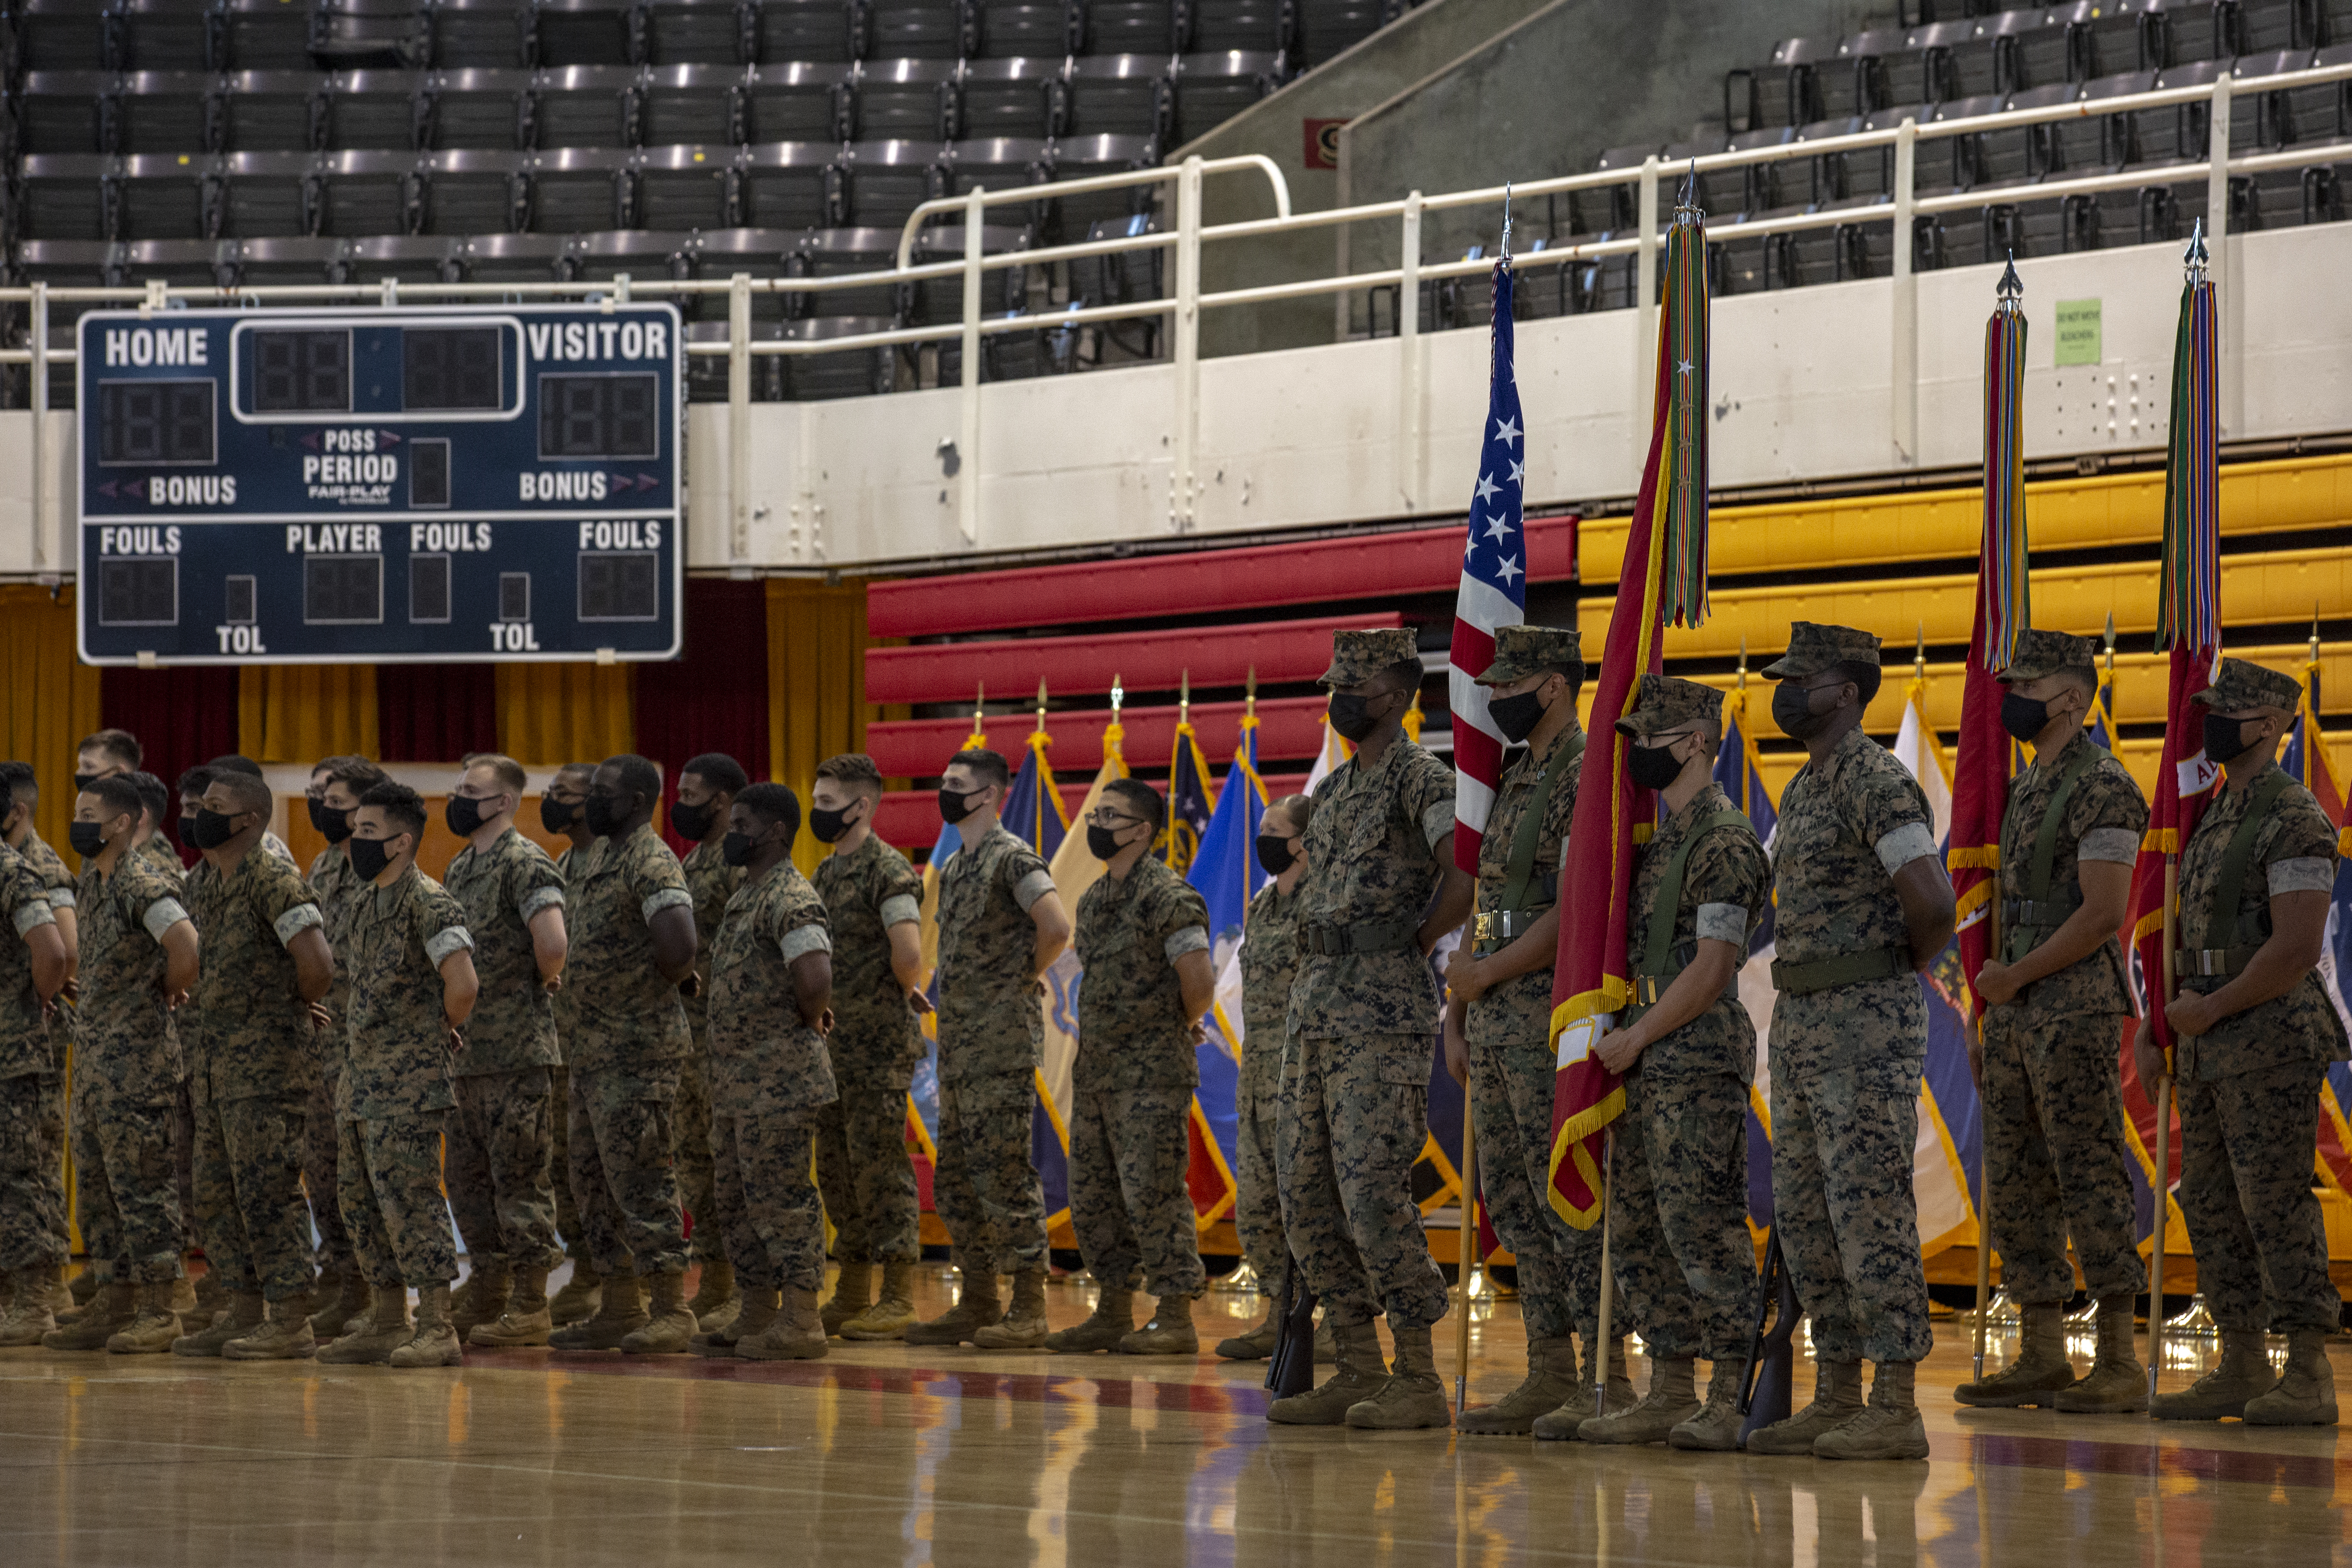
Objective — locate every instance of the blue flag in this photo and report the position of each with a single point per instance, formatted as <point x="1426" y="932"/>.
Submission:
<point x="1226" y="873"/>
<point x="1188" y="801"/>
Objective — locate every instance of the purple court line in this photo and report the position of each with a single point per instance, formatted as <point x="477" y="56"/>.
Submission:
<point x="2319" y="1472"/>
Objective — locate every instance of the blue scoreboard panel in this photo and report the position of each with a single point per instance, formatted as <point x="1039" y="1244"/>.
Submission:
<point x="381" y="485"/>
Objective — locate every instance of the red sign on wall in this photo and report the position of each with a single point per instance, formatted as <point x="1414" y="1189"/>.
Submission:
<point x="1323" y="143"/>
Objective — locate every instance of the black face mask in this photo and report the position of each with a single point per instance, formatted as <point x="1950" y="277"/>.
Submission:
<point x="87" y="838"/>
<point x="464" y="816"/>
<point x="1102" y="843"/>
<point x="83" y="780"/>
<point x="555" y="816"/>
<point x="605" y="815"/>
<point x="1793" y="710"/>
<point x="828" y="825"/>
<point x="1517" y="716"/>
<point x="1653" y="768"/>
<point x="736" y="849"/>
<point x="188" y="828"/>
<point x="2023" y="717"/>
<point x="692" y="823"/>
<point x="370" y="856"/>
<point x="213" y="828"/>
<point x="336" y="824"/>
<point x="1351" y="716"/>
<point x="1275" y="855"/>
<point x="954" y="807"/>
<point x="2225" y="740"/>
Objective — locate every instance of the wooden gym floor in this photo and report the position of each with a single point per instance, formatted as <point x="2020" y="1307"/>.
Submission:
<point x="887" y="1454"/>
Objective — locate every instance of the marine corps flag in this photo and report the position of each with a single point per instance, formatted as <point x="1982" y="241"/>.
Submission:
<point x="1664" y="578"/>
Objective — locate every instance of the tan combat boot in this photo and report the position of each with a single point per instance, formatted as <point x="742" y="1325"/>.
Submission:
<point x="2242" y="1376"/>
<point x="670" y="1326"/>
<point x="2040" y="1371"/>
<point x="435" y="1341"/>
<point x="1715" y="1427"/>
<point x="1565" y="1421"/>
<point x="795" y="1333"/>
<point x="893" y="1313"/>
<point x="1258" y="1343"/>
<point x="153" y="1330"/>
<point x="1550" y="1381"/>
<point x="244" y="1315"/>
<point x="1889" y="1428"/>
<point x="975" y="1310"/>
<point x="853" y="1292"/>
<point x="2305" y="1394"/>
<point x="759" y="1309"/>
<point x="1170" y="1332"/>
<point x="184" y="1295"/>
<point x="349" y="1304"/>
<point x="716" y="1300"/>
<point x="1023" y="1325"/>
<point x="212" y="1299"/>
<point x="1112" y="1322"/>
<point x="32" y="1312"/>
<point x="2118" y="1382"/>
<point x="1671" y="1400"/>
<point x="1357" y="1350"/>
<point x="284" y="1335"/>
<point x="385" y="1331"/>
<point x="525" y="1321"/>
<point x="1412" y="1396"/>
<point x="580" y="1296"/>
<point x="110" y="1311"/>
<point x="620" y="1313"/>
<point x="1837" y="1399"/>
<point x="481" y="1299"/>
<point x="83" y="1288"/>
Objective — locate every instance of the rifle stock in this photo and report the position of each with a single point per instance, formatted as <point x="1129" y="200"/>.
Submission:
<point x="1771" y="1357"/>
<point x="1291" y="1369"/>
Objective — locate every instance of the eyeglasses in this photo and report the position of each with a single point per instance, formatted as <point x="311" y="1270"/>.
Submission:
<point x="1104" y="817"/>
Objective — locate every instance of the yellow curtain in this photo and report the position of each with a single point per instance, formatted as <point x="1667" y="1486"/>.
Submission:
<point x="300" y="712"/>
<point x="48" y="698"/>
<point x="816" y="685"/>
<point x="550" y="714"/>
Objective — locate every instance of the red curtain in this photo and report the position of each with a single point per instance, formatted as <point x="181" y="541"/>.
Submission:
<point x="435" y="713"/>
<point x="182" y="716"/>
<point x="714" y="697"/>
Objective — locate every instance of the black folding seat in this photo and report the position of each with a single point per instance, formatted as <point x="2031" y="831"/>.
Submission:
<point x="889" y="180"/>
<point x="1261" y="26"/>
<point x="1002" y="164"/>
<point x="268" y="35"/>
<point x="2324" y="113"/>
<point x="2045" y="46"/>
<point x="187" y="263"/>
<point x="370" y="34"/>
<point x="592" y="32"/>
<point x="803" y="30"/>
<point x="162" y="111"/>
<point x="1758" y="185"/>
<point x="480" y="190"/>
<point x="488" y="34"/>
<point x="1123" y="95"/>
<point x="70" y="264"/>
<point x="803" y="101"/>
<point x="844" y="252"/>
<point x="691" y="185"/>
<point x="720" y="253"/>
<point x="906" y="97"/>
<point x="288" y="258"/>
<point x="1065" y="217"/>
<point x="1804" y="76"/>
<point x="1024" y="96"/>
<point x="2178" y="131"/>
<point x="2051" y="147"/>
<point x="2260" y="117"/>
<point x="1211" y="89"/>
<point x="851" y="372"/>
<point x="924" y="29"/>
<point x="1131" y="26"/>
<point x="1969" y="159"/>
<point x="72" y="36"/>
<point x="644" y="255"/>
<point x="1329" y="28"/>
<point x="71" y="111"/>
<point x="1881" y="71"/>
<point x="372" y="193"/>
<point x="378" y="111"/>
<point x="1124" y="277"/>
<point x="519" y="257"/>
<point x="2107" y="140"/>
<point x="1957" y="60"/>
<point x="1002" y="289"/>
<point x="408" y="258"/>
<point x="168" y="195"/>
<point x="2263" y="26"/>
<point x="1051" y="29"/>
<point x="707" y="376"/>
<point x="1615" y="206"/>
<point x="2136" y="35"/>
<point x="590" y="106"/>
<point x="1754" y="263"/>
<point x="696" y="104"/>
<point x="270" y="111"/>
<point x="484" y="107"/>
<point x="796" y="185"/>
<point x="576" y="189"/>
<point x="1827" y="177"/>
<point x="703" y="32"/>
<point x="272" y="194"/>
<point x="170" y="35"/>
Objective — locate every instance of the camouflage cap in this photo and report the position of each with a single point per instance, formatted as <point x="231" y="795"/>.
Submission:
<point x="2242" y="685"/>
<point x="1357" y="657"/>
<point x="1814" y="647"/>
<point x="2041" y="653"/>
<point x="1522" y="651"/>
<point x="1669" y="703"/>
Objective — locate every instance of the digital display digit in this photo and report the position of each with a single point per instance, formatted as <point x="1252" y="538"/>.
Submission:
<point x="449" y="369"/>
<point x="139" y="593"/>
<point x="620" y="585"/>
<point x="342" y="590"/>
<point x="302" y="371"/>
<point x="599" y="415"/>
<point x="154" y="422"/>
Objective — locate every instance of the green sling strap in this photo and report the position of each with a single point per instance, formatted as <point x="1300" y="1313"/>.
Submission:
<point x="1651" y="979"/>
<point x="2221" y="923"/>
<point x="1521" y="867"/>
<point x="2042" y="867"/>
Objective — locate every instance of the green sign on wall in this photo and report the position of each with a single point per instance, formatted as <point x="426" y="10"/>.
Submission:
<point x="2078" y="332"/>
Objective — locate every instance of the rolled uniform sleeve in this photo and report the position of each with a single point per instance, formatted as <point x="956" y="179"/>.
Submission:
<point x="162" y="916"/>
<point x="61" y="898"/>
<point x="800" y="940"/>
<point x="1900" y="846"/>
<point x="662" y="898"/>
<point x="2115" y="845"/>
<point x="446" y="940"/>
<point x="538" y="899"/>
<point x="2301" y="874"/>
<point x="1723" y="922"/>
<point x="33" y="911"/>
<point x="1191" y="938"/>
<point x="1033" y="886"/>
<point x="902" y="909"/>
<point x="284" y="899"/>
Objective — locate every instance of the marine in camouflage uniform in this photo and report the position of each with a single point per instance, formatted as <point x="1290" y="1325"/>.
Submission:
<point x="251" y="1066"/>
<point x="2053" y="1127"/>
<point x="1849" y="1047"/>
<point x="1132" y="1083"/>
<point x="2249" y="1085"/>
<point x="337" y="888"/>
<point x="570" y="864"/>
<point x="59" y="887"/>
<point x="502" y="1135"/>
<point x="1683" y="1264"/>
<point x="713" y="882"/>
<point x="769" y="1072"/>
<point x="1357" y="1057"/>
<point x="862" y="1166"/>
<point x="32" y="1243"/>
<point x="625" y="1056"/>
<point x="1269" y="960"/>
<point x="992" y="1031"/>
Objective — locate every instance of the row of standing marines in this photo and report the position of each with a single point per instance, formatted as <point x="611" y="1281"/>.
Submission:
<point x="615" y="1039"/>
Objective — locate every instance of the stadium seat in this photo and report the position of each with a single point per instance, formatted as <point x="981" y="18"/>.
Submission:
<point x="2259" y="117"/>
<point x="720" y="254"/>
<point x="1212" y="88"/>
<point x="1829" y="176"/>
<point x="1122" y="95"/>
<point x="293" y="258"/>
<point x="493" y="35"/>
<point x="480" y="191"/>
<point x="590" y="106"/>
<point x="833" y="252"/>
<point x="592" y="32"/>
<point x="796" y="185"/>
<point x="919" y="29"/>
<point x="702" y="103"/>
<point x="2324" y="113"/>
<point x="1000" y="162"/>
<point x="370" y="34"/>
<point x="1798" y="82"/>
<point x="642" y="254"/>
<point x="852" y="372"/>
<point x="706" y="374"/>
<point x="2179" y="132"/>
<point x="1012" y="29"/>
<point x="71" y="111"/>
<point x="1759" y="185"/>
<point x="72" y="36"/>
<point x="409" y="258"/>
<point x="73" y="263"/>
<point x="907" y="96"/>
<point x="1881" y="70"/>
<point x="803" y="30"/>
<point x="1002" y="289"/>
<point x="584" y="188"/>
<point x="888" y="179"/>
<point x="378" y="109"/>
<point x="1721" y="192"/>
<point x="1076" y="157"/>
<point x="1021" y="95"/>
<point x="803" y="101"/>
<point x="1968" y="160"/>
<point x="262" y="35"/>
<point x="480" y="106"/>
<point x="691" y="185"/>
<point x="1611" y="208"/>
<point x="1329" y="28"/>
<point x="277" y="193"/>
<point x="702" y="32"/>
<point x="1124" y="278"/>
<point x="367" y="193"/>
<point x="270" y="111"/>
<point x="1131" y="26"/>
<point x="1263" y="27"/>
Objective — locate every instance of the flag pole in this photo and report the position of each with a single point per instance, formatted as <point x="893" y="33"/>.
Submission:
<point x="1603" y="1341"/>
<point x="1466" y="1244"/>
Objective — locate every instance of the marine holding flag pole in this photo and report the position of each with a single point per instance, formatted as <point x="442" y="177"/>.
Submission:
<point x="1663" y="578"/>
<point x="1980" y="778"/>
<point x="2188" y="624"/>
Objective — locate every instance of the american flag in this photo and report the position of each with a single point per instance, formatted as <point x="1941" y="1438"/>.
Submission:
<point x="1494" y="592"/>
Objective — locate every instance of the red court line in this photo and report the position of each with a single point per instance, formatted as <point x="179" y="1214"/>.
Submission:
<point x="2320" y="1472"/>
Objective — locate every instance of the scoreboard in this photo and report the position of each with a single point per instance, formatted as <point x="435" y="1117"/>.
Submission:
<point x="380" y="486"/>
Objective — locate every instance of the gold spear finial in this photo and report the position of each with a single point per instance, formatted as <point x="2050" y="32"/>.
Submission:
<point x="1919" y="655"/>
<point x="1184" y="698"/>
<point x="979" y="707"/>
<point x="1739" y="676"/>
<point x="1249" y="686"/>
<point x="1117" y="696"/>
<point x="1041" y="702"/>
<point x="2111" y="648"/>
<point x="2315" y="632"/>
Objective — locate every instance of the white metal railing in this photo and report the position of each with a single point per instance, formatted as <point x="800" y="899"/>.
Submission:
<point x="1185" y="303"/>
